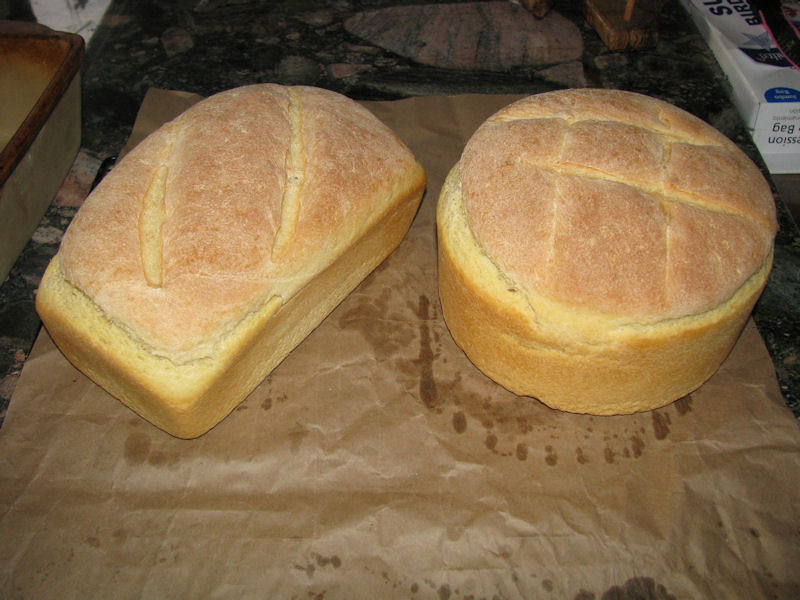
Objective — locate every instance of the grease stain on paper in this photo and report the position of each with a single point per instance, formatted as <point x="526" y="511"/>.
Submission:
<point x="324" y="561"/>
<point x="427" y="384"/>
<point x="157" y="458"/>
<point x="137" y="448"/>
<point x="308" y="568"/>
<point x="370" y="315"/>
<point x="138" y="451"/>
<point x="514" y="426"/>
<point x="318" y="561"/>
<point x="550" y="457"/>
<point x="270" y="398"/>
<point x="637" y="445"/>
<point x="391" y="329"/>
<point x="684" y="405"/>
<point x="661" y="424"/>
<point x="522" y="451"/>
<point x="636" y="588"/>
<point x="661" y="419"/>
<point x="459" y="422"/>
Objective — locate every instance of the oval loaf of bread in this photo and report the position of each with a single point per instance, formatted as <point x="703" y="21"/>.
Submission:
<point x="220" y="242"/>
<point x="601" y="250"/>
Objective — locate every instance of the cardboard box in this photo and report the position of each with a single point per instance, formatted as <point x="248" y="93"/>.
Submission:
<point x="766" y="87"/>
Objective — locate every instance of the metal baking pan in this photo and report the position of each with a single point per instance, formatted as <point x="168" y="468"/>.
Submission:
<point x="40" y="126"/>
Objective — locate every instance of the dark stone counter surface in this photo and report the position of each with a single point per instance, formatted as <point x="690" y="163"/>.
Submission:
<point x="377" y="50"/>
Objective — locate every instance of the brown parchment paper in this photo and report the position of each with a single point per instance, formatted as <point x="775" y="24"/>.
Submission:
<point x="377" y="462"/>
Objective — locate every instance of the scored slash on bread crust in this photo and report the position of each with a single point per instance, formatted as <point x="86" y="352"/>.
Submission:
<point x="295" y="168"/>
<point x="222" y="240"/>
<point x="151" y="222"/>
<point x="601" y="250"/>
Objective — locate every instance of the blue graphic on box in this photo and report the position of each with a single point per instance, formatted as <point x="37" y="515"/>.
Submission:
<point x="782" y="94"/>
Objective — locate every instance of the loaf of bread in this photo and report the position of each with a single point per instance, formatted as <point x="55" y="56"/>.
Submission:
<point x="220" y="242"/>
<point x="601" y="250"/>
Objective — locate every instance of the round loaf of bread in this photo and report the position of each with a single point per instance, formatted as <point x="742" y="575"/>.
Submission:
<point x="601" y="250"/>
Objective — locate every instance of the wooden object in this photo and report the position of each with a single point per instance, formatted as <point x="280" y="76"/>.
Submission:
<point x="625" y="24"/>
<point x="539" y="8"/>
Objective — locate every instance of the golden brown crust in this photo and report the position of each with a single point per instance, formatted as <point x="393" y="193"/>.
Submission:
<point x="223" y="203"/>
<point x="586" y="260"/>
<point x="173" y="289"/>
<point x="604" y="222"/>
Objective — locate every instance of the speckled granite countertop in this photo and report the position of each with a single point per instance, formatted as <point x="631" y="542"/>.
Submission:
<point x="378" y="50"/>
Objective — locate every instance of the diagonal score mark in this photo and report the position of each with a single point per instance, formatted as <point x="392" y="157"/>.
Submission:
<point x="654" y="189"/>
<point x="663" y="128"/>
<point x="151" y="221"/>
<point x="687" y="199"/>
<point x="295" y="165"/>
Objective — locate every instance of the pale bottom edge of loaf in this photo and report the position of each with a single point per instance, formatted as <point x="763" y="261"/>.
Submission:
<point x="187" y="400"/>
<point x="644" y="368"/>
